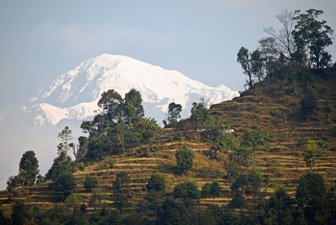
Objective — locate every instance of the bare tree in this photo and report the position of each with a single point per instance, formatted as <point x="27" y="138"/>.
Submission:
<point x="284" y="39"/>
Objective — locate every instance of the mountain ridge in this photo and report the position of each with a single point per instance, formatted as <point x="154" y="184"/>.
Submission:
<point x="74" y="94"/>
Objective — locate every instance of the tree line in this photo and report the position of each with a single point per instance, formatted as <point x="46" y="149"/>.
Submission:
<point x="302" y="41"/>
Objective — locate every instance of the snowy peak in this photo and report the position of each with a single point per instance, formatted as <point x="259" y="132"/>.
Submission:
<point x="73" y="95"/>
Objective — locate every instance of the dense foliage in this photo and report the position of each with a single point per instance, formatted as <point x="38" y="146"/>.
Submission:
<point x="120" y="126"/>
<point x="184" y="158"/>
<point x="64" y="184"/>
<point x="28" y="171"/>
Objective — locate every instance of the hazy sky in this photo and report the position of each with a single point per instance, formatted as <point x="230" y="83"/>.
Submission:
<point x="40" y="40"/>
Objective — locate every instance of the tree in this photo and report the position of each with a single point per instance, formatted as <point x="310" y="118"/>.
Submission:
<point x="255" y="140"/>
<point x="62" y="164"/>
<point x="28" y="171"/>
<point x="174" y="111"/>
<point x="133" y="105"/>
<point x="184" y="157"/>
<point x="14" y="182"/>
<point x="253" y="64"/>
<point x="311" y="151"/>
<point x="312" y="37"/>
<point x="118" y="120"/>
<point x="97" y="148"/>
<point x="244" y="58"/>
<point x="283" y="39"/>
<point x="174" y="211"/>
<point x="20" y="213"/>
<point x="82" y="148"/>
<point x="90" y="183"/>
<point x="311" y="196"/>
<point x="187" y="190"/>
<point x="276" y="169"/>
<point x="269" y="54"/>
<point x="258" y="65"/>
<point x="218" y="146"/>
<point x="121" y="190"/>
<point x="242" y="156"/>
<point x="268" y="50"/>
<point x="211" y="189"/>
<point x="156" y="183"/>
<point x="244" y="185"/>
<point x="64" y="185"/>
<point x="199" y="114"/>
<point x="279" y="208"/>
<point x="28" y="168"/>
<point x="66" y="144"/>
<point x="110" y="164"/>
<point x="110" y="102"/>
<point x="3" y="219"/>
<point x="308" y="105"/>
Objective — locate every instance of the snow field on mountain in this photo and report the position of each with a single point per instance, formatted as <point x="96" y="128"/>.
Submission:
<point x="74" y="95"/>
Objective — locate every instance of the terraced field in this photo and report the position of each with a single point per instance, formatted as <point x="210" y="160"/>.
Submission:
<point x="253" y="111"/>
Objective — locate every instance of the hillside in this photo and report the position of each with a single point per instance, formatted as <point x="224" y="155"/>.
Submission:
<point x="276" y="111"/>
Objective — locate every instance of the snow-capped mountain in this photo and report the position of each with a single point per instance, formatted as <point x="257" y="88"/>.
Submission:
<point x="74" y="95"/>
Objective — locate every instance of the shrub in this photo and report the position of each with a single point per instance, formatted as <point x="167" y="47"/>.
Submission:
<point x="187" y="190"/>
<point x="90" y="183"/>
<point x="211" y="189"/>
<point x="111" y="163"/>
<point x="121" y="190"/>
<point x="214" y="188"/>
<point x="206" y="190"/>
<point x="156" y="183"/>
<point x="64" y="184"/>
<point x="81" y="166"/>
<point x="184" y="157"/>
<point x="308" y="105"/>
<point x="97" y="148"/>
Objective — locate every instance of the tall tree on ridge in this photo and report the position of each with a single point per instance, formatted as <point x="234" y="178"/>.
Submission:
<point x="66" y="144"/>
<point x="174" y="111"/>
<point x="28" y="168"/>
<point x="244" y="58"/>
<point x="284" y="40"/>
<point x="312" y="37"/>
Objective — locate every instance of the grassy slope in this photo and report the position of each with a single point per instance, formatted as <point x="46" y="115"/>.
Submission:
<point x="275" y="112"/>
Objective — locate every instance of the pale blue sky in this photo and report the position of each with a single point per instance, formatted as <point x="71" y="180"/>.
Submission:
<point x="40" y="40"/>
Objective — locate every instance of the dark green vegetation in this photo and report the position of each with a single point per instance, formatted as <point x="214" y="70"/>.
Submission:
<point x="28" y="171"/>
<point x="184" y="158"/>
<point x="266" y="157"/>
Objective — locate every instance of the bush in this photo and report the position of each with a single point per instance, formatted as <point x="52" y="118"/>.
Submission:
<point x="184" y="157"/>
<point x="111" y="163"/>
<point x="211" y="189"/>
<point x="90" y="183"/>
<point x="308" y="105"/>
<point x="206" y="190"/>
<point x="121" y="190"/>
<point x="187" y="190"/>
<point x="64" y="184"/>
<point x="97" y="148"/>
<point x="215" y="189"/>
<point x="81" y="166"/>
<point x="62" y="164"/>
<point x="156" y="183"/>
